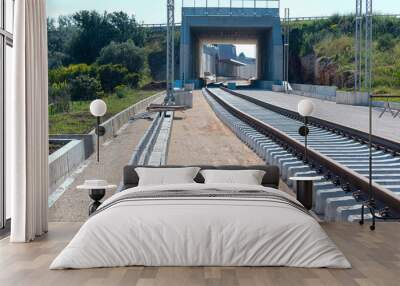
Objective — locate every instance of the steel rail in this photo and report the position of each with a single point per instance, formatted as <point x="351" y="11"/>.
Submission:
<point x="293" y="146"/>
<point x="377" y="142"/>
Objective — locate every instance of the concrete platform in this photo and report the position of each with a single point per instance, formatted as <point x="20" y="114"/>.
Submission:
<point x="356" y="117"/>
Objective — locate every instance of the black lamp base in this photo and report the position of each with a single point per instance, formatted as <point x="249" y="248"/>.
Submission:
<point x="96" y="195"/>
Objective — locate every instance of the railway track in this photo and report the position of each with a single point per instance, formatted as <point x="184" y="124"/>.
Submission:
<point x="339" y="153"/>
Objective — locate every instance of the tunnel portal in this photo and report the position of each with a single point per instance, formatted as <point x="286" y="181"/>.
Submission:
<point x="260" y="26"/>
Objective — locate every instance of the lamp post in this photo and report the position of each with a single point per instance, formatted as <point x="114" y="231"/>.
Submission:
<point x="305" y="108"/>
<point x="98" y="108"/>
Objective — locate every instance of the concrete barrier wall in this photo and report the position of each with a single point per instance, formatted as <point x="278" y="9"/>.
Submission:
<point x="114" y="124"/>
<point x="340" y="97"/>
<point x="184" y="97"/>
<point x="350" y="98"/>
<point x="264" y="84"/>
<point x="88" y="141"/>
<point x="80" y="147"/>
<point x="315" y="91"/>
<point x="278" y="88"/>
<point x="64" y="161"/>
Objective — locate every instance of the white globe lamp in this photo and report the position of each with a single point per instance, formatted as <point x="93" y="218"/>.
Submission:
<point x="98" y="108"/>
<point x="305" y="108"/>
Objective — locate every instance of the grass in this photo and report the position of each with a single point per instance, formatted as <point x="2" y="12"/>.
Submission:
<point x="387" y="99"/>
<point x="80" y="121"/>
<point x="386" y="63"/>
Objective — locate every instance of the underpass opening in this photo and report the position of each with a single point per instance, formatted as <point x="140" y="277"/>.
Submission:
<point x="205" y="27"/>
<point x="226" y="61"/>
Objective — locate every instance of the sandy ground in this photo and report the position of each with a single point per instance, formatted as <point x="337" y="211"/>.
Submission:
<point x="199" y="137"/>
<point x="72" y="206"/>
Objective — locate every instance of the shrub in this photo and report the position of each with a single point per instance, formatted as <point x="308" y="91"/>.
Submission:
<point x="66" y="74"/>
<point x="132" y="80"/>
<point x="85" y="88"/>
<point x="111" y="75"/>
<point x="386" y="42"/>
<point x="126" y="54"/>
<point x="121" y="91"/>
<point x="58" y="92"/>
<point x="59" y="97"/>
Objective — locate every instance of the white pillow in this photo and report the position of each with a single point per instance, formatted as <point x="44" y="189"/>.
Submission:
<point x="246" y="177"/>
<point x="166" y="176"/>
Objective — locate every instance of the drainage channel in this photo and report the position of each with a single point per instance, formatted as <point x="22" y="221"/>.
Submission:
<point x="342" y="160"/>
<point x="152" y="149"/>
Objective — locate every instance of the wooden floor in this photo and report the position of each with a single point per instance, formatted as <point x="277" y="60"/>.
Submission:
<point x="375" y="257"/>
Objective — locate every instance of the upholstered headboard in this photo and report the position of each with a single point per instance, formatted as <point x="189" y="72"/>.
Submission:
<point x="271" y="178"/>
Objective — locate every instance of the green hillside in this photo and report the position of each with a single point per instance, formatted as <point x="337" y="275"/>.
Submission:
<point x="322" y="52"/>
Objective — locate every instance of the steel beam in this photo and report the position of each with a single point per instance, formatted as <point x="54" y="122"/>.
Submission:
<point x="368" y="85"/>
<point x="169" y="99"/>
<point x="286" y="49"/>
<point x="358" y="47"/>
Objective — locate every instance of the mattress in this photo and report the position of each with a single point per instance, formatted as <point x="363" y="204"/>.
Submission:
<point x="201" y="225"/>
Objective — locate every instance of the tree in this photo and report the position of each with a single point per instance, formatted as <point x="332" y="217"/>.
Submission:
<point x="126" y="28"/>
<point x="59" y="35"/>
<point x="157" y="63"/>
<point x="95" y="31"/>
<point x="242" y="56"/>
<point x="157" y="55"/>
<point x="126" y="54"/>
<point x="111" y="76"/>
<point x="93" y="34"/>
<point x="85" y="88"/>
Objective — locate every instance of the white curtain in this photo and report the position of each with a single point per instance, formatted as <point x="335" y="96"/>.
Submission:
<point x="27" y="123"/>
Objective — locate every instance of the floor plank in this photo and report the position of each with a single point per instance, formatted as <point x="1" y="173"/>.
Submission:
<point x="375" y="257"/>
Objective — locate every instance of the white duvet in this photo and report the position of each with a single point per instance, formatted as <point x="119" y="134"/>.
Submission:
<point x="200" y="232"/>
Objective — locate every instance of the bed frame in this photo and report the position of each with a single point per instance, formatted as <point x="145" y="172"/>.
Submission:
<point x="271" y="178"/>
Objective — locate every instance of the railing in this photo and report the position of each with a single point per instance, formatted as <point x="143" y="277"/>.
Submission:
<point x="231" y="3"/>
<point x="293" y="19"/>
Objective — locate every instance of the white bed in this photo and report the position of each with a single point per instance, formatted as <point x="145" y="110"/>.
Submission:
<point x="237" y="229"/>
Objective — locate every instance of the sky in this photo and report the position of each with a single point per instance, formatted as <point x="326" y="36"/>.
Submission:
<point x="154" y="11"/>
<point x="248" y="50"/>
